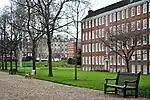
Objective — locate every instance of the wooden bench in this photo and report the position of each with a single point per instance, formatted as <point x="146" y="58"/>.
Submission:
<point x="12" y="71"/>
<point x="124" y="81"/>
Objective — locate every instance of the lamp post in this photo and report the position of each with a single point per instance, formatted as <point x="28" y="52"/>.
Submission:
<point x="77" y="39"/>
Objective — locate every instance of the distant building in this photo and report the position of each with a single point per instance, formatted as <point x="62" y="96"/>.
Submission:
<point x="72" y="47"/>
<point x="59" y="48"/>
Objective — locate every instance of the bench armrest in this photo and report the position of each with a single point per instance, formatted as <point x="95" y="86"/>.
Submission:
<point x="106" y="79"/>
<point x="128" y="82"/>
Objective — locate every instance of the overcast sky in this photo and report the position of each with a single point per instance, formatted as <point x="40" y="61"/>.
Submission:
<point x="96" y="4"/>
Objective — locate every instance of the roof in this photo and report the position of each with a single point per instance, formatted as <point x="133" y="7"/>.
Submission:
<point x="110" y="7"/>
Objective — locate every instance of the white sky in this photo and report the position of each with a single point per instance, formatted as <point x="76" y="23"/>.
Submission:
<point x="96" y="4"/>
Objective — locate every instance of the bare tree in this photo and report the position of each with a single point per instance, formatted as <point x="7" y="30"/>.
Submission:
<point x="50" y="11"/>
<point x="121" y="43"/>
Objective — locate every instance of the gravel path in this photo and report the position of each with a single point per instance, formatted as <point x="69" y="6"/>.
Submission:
<point x="14" y="87"/>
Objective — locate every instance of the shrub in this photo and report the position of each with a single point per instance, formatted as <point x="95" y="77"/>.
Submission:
<point x="70" y="61"/>
<point x="144" y="91"/>
<point x="102" y="70"/>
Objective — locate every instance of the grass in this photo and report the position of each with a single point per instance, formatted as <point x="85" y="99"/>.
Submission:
<point x="93" y="80"/>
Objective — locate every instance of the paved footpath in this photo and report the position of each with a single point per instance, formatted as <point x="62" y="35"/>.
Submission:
<point x="15" y="87"/>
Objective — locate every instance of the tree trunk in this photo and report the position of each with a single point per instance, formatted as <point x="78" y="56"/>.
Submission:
<point x="50" y="55"/>
<point x="16" y="61"/>
<point x="33" y="56"/>
<point x="127" y="64"/>
<point x="2" y="61"/>
<point x="11" y="67"/>
<point x="5" y="60"/>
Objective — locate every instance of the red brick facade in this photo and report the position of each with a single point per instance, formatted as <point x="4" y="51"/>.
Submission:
<point x="135" y="15"/>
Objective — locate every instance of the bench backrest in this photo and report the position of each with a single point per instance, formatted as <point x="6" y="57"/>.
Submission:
<point x="123" y="76"/>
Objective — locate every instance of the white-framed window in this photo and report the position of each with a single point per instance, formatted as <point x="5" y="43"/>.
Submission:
<point x="110" y="60"/>
<point x="138" y="54"/>
<point x="96" y="23"/>
<point x="114" y="29"/>
<point x="83" y="48"/>
<point x="144" y="23"/>
<point x="138" y="10"/>
<point x="85" y="35"/>
<point x="127" y="13"/>
<point x="132" y="41"/>
<point x="86" y="60"/>
<point x="132" y="26"/>
<point x="110" y="29"/>
<point x="93" y="47"/>
<point x="107" y="50"/>
<point x="144" y="54"/>
<point x="145" y="8"/>
<point x="89" y="60"/>
<point x="96" y="47"/>
<point x="110" y="17"/>
<point x="133" y="11"/>
<point x="103" y="33"/>
<point x="123" y="61"/>
<point x="106" y="35"/>
<point x="139" y="41"/>
<point x="89" y="23"/>
<point x="100" y="47"/>
<point x="114" y="17"/>
<point x="106" y="20"/>
<point x="118" y="15"/>
<point x="127" y="27"/>
<point x="89" y="47"/>
<point x="96" y="60"/>
<point x="103" y="46"/>
<point x="100" y="33"/>
<point x="83" y="60"/>
<point x="133" y="68"/>
<point x="103" y="19"/>
<point x="144" y="69"/>
<point x="93" y="35"/>
<point x="100" y="21"/>
<point x="93" y="60"/>
<point x="138" y="68"/>
<point x="118" y="28"/>
<point x="97" y="34"/>
<point x="144" y="39"/>
<point x="89" y="35"/>
<point x="139" y="25"/>
<point x="103" y="60"/>
<point x="93" y="23"/>
<point x="123" y="28"/>
<point x="123" y="14"/>
<point x="100" y="60"/>
<point x="119" y="60"/>
<point x="133" y="56"/>
<point x="114" y="60"/>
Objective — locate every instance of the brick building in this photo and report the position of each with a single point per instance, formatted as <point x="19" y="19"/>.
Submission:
<point x="72" y="47"/>
<point x="123" y="14"/>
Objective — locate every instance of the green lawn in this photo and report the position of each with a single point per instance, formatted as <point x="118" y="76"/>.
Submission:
<point x="94" y="80"/>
